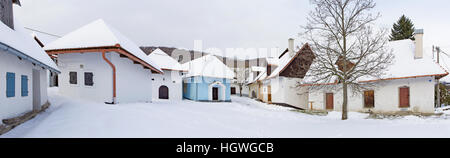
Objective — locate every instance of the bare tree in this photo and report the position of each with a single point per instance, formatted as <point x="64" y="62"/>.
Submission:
<point x="241" y="76"/>
<point x="346" y="46"/>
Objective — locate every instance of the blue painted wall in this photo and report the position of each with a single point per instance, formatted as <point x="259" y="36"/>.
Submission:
<point x="197" y="88"/>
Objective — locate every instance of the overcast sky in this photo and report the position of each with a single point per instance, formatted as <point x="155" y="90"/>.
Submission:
<point x="218" y="23"/>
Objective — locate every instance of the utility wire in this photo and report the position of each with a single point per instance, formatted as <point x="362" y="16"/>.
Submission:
<point x="43" y="32"/>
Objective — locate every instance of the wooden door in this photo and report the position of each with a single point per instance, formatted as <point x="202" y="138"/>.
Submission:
<point x="215" y="93"/>
<point x="163" y="92"/>
<point x="404" y="97"/>
<point x="329" y="101"/>
<point x="269" y="94"/>
<point x="369" y="99"/>
<point x="36" y="90"/>
<point x="233" y="90"/>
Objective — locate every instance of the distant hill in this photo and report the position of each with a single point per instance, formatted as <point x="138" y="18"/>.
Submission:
<point x="184" y="56"/>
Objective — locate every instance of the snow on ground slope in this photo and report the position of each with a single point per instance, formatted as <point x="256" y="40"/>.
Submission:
<point x="242" y="118"/>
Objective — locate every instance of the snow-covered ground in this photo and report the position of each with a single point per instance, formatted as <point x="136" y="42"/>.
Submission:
<point x="241" y="118"/>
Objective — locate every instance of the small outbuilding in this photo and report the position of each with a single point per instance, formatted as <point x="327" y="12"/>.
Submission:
<point x="208" y="79"/>
<point x="167" y="86"/>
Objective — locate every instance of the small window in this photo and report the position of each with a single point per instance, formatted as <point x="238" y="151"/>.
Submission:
<point x="73" y="77"/>
<point x="24" y="83"/>
<point x="180" y="58"/>
<point x="89" y="79"/>
<point x="369" y="99"/>
<point x="10" y="84"/>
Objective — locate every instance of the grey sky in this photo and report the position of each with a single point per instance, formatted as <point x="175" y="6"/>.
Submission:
<point x="219" y="23"/>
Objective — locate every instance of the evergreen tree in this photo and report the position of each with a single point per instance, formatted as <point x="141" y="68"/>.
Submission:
<point x="403" y="29"/>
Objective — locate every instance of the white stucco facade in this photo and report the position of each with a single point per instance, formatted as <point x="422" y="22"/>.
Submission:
<point x="17" y="105"/>
<point x="133" y="82"/>
<point x="386" y="96"/>
<point x="173" y="81"/>
<point x="285" y="91"/>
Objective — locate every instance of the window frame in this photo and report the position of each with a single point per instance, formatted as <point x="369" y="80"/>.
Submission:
<point x="84" y="79"/>
<point x="364" y="99"/>
<point x="76" y="78"/>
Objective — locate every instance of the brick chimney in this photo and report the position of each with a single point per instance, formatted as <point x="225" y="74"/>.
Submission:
<point x="418" y="35"/>
<point x="6" y="12"/>
<point x="291" y="47"/>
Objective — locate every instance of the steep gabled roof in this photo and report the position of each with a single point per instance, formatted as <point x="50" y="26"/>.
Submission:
<point x="285" y="60"/>
<point x="165" y="61"/>
<point x="20" y="43"/>
<point x="98" y="34"/>
<point x="208" y="66"/>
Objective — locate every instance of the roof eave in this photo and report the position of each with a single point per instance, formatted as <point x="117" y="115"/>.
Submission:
<point x="116" y="48"/>
<point x="22" y="55"/>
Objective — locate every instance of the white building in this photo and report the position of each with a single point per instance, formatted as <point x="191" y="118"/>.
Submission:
<point x="99" y="64"/>
<point x="170" y="84"/>
<point x="408" y="85"/>
<point x="279" y="84"/>
<point x="23" y="68"/>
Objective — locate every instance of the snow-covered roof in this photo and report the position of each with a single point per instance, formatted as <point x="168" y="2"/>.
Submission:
<point x="444" y="61"/>
<point x="99" y="34"/>
<point x="405" y="65"/>
<point x="282" y="63"/>
<point x="165" y="61"/>
<point x="18" y="41"/>
<point x="208" y="66"/>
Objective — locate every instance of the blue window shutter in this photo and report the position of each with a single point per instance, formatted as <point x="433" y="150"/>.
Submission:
<point x="10" y="84"/>
<point x="24" y="86"/>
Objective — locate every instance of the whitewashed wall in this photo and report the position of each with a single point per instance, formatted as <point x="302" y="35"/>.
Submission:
<point x="14" y="106"/>
<point x="87" y="62"/>
<point x="386" y="97"/>
<point x="285" y="91"/>
<point x="133" y="82"/>
<point x="171" y="79"/>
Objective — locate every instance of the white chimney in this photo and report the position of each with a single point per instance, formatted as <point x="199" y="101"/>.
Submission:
<point x="291" y="47"/>
<point x="418" y="35"/>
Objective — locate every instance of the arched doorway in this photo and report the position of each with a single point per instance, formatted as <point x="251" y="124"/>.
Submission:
<point x="216" y="91"/>
<point x="163" y="92"/>
<point x="253" y="94"/>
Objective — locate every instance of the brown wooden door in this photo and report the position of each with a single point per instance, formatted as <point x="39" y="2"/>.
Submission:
<point x="163" y="92"/>
<point x="404" y="97"/>
<point x="369" y="99"/>
<point x="329" y="101"/>
<point x="269" y="94"/>
<point x="233" y="90"/>
<point x="215" y="93"/>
